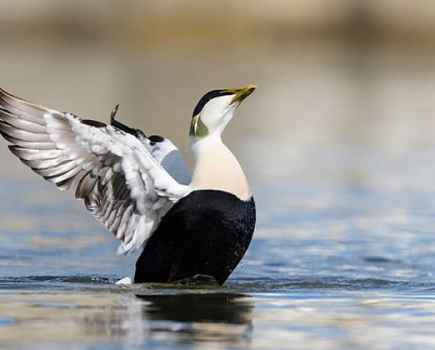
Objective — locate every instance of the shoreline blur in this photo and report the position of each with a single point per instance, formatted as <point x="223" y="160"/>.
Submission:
<point x="194" y="26"/>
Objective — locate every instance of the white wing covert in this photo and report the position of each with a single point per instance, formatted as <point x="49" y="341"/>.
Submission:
<point x="116" y="175"/>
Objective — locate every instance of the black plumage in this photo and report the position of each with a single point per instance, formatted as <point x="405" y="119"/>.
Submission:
<point x="205" y="233"/>
<point x="141" y="193"/>
<point x="94" y="123"/>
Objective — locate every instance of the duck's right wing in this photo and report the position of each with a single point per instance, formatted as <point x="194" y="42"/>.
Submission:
<point x="114" y="172"/>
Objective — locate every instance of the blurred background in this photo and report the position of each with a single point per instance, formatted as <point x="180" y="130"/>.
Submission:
<point x="344" y="105"/>
<point x="341" y="127"/>
<point x="338" y="142"/>
<point x="357" y="75"/>
<point x="345" y="88"/>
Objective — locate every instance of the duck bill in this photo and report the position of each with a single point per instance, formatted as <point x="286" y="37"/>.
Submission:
<point x="241" y="93"/>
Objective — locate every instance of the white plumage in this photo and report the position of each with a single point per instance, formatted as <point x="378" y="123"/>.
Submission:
<point x="129" y="181"/>
<point x="123" y="180"/>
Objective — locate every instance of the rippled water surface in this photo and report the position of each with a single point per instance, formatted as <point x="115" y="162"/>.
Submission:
<point x="340" y="153"/>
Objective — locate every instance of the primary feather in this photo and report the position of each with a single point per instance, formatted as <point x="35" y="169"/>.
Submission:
<point x="121" y="178"/>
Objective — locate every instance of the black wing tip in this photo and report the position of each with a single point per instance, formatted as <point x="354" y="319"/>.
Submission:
<point x="16" y="149"/>
<point x="156" y="138"/>
<point x="121" y="126"/>
<point x="114" y="113"/>
<point x="94" y="123"/>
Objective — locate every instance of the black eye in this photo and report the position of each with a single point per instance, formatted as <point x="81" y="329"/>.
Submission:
<point x="155" y="139"/>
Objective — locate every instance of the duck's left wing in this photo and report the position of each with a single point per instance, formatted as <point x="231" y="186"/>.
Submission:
<point x="161" y="148"/>
<point x="170" y="158"/>
<point x="114" y="172"/>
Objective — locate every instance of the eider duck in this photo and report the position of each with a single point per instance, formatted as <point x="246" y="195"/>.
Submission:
<point x="187" y="224"/>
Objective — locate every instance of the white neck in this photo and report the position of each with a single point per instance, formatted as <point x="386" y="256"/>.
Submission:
<point x="216" y="168"/>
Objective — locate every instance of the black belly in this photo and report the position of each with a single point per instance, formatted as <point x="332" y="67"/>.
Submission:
<point x="205" y="233"/>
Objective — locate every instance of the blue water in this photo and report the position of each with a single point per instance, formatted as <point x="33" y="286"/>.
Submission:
<point x="339" y="151"/>
<point x="330" y="269"/>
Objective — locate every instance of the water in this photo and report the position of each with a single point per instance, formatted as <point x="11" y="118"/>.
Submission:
<point x="339" y="148"/>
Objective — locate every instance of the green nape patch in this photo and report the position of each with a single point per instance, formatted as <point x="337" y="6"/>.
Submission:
<point x="198" y="128"/>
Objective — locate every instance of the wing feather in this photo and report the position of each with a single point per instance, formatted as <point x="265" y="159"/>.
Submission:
<point x="115" y="174"/>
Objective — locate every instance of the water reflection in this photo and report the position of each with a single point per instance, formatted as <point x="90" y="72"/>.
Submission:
<point x="188" y="318"/>
<point x="217" y="308"/>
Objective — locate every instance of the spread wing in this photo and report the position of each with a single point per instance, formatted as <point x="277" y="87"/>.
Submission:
<point x="161" y="148"/>
<point x="171" y="159"/>
<point x="114" y="172"/>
